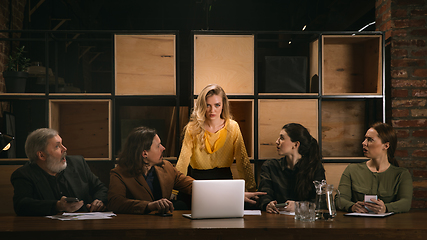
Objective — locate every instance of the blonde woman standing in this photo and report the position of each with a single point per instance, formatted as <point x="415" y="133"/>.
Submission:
<point x="212" y="140"/>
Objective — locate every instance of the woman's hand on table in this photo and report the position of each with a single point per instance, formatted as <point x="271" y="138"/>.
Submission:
<point x="359" y="207"/>
<point x="377" y="206"/>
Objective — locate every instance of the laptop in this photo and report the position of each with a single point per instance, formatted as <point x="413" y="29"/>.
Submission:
<point x="217" y="199"/>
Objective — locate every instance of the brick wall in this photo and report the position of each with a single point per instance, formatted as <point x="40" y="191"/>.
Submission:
<point x="405" y="25"/>
<point x="7" y="21"/>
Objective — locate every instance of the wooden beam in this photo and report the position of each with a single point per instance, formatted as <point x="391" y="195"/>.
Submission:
<point x="85" y="51"/>
<point x="75" y="36"/>
<point x="62" y="21"/>
<point x="96" y="55"/>
<point x="34" y="8"/>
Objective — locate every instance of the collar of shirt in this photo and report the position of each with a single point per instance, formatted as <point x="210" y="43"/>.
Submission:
<point x="284" y="165"/>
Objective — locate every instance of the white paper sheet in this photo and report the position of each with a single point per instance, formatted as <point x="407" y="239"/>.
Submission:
<point x="252" y="212"/>
<point x="287" y="213"/>
<point x="83" y="216"/>
<point x="369" y="214"/>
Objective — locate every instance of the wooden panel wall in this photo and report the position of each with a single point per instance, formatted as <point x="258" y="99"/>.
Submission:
<point x="6" y="189"/>
<point x="343" y="128"/>
<point x="84" y="126"/>
<point x="273" y="114"/>
<point x="372" y="60"/>
<point x="351" y="64"/>
<point x="243" y="114"/>
<point x="227" y="60"/>
<point x="145" y="64"/>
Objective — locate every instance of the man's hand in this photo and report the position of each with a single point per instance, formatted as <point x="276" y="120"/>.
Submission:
<point x="96" y="206"/>
<point x="252" y="197"/>
<point x="64" y="206"/>
<point x="162" y="206"/>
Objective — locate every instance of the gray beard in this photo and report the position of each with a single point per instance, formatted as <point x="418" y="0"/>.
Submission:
<point x="53" y="166"/>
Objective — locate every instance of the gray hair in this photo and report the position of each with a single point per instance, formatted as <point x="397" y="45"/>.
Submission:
<point x="37" y="141"/>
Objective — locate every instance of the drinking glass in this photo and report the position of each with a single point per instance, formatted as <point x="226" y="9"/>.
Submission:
<point x="307" y="211"/>
<point x="297" y="210"/>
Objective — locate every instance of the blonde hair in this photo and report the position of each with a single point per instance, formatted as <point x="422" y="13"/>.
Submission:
<point x="198" y="115"/>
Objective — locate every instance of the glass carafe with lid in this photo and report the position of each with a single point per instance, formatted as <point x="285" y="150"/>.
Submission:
<point x="325" y="203"/>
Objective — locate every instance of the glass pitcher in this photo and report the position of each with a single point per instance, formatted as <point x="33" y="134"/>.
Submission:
<point x="325" y="203"/>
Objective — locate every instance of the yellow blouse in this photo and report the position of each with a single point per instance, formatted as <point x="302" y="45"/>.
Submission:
<point x="215" y="141"/>
<point x="221" y="149"/>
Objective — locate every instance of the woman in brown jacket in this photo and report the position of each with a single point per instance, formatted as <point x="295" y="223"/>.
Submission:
<point x="143" y="182"/>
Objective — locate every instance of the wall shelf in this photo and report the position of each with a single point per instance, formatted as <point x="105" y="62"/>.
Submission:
<point x="331" y="82"/>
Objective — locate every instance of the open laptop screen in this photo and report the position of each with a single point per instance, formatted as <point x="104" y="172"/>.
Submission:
<point x="217" y="199"/>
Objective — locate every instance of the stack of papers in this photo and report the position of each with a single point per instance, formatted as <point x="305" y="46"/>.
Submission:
<point x="83" y="216"/>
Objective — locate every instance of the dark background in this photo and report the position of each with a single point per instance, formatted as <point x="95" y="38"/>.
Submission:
<point x="185" y="15"/>
<point x="181" y="15"/>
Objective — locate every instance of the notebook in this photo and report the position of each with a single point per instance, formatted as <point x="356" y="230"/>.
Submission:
<point x="217" y="199"/>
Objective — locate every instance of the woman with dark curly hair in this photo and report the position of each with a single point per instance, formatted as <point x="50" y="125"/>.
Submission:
<point x="290" y="178"/>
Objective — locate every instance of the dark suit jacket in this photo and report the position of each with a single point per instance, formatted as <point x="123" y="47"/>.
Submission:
<point x="129" y="194"/>
<point x="33" y="195"/>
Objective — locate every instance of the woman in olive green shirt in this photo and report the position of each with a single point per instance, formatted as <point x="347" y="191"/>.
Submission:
<point x="380" y="175"/>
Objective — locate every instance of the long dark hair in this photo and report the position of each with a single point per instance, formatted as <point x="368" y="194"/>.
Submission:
<point x="310" y="160"/>
<point x="130" y="158"/>
<point x="387" y="134"/>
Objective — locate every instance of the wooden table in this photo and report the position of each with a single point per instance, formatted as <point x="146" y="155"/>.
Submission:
<point x="411" y="226"/>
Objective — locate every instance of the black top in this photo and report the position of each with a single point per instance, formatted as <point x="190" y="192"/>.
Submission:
<point x="279" y="182"/>
<point x="58" y="184"/>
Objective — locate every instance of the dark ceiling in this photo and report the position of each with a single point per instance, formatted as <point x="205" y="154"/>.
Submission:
<point x="185" y="15"/>
<point x="181" y="15"/>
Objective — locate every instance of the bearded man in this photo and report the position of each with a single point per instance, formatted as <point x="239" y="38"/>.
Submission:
<point x="53" y="182"/>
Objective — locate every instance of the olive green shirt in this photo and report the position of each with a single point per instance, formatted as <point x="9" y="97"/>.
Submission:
<point x="393" y="187"/>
